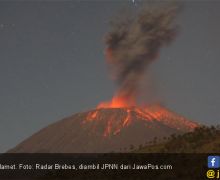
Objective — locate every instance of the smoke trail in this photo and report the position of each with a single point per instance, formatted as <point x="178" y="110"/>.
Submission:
<point x="134" y="43"/>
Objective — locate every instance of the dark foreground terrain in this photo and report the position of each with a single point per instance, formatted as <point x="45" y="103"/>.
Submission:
<point x="201" y="140"/>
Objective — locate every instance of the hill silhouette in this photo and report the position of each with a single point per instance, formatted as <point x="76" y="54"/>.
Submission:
<point x="202" y="140"/>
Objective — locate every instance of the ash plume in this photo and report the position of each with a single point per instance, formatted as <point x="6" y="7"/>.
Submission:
<point x="134" y="43"/>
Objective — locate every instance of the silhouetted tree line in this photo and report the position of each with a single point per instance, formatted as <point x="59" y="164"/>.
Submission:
<point x="202" y="139"/>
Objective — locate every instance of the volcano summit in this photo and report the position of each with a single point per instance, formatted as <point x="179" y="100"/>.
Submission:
<point x="106" y="130"/>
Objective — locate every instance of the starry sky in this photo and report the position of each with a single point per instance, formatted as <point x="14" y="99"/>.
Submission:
<point x="52" y="63"/>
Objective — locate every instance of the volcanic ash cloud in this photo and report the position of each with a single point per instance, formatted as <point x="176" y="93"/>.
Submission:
<point x="134" y="42"/>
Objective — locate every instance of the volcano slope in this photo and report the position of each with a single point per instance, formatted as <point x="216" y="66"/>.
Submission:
<point x="106" y="130"/>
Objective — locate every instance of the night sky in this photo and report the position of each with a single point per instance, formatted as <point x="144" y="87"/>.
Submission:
<point x="52" y="63"/>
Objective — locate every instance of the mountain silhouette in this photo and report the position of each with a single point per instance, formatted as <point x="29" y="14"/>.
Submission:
<point x="106" y="130"/>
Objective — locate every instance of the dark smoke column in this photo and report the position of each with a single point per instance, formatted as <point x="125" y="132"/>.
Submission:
<point x="134" y="43"/>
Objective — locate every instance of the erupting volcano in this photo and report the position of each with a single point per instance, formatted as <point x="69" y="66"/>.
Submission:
<point x="106" y="130"/>
<point x="114" y="125"/>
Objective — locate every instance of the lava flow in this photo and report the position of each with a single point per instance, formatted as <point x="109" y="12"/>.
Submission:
<point x="120" y="116"/>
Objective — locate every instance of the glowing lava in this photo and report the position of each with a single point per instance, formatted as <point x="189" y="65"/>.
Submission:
<point x="121" y="116"/>
<point x="124" y="111"/>
<point x="117" y="102"/>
